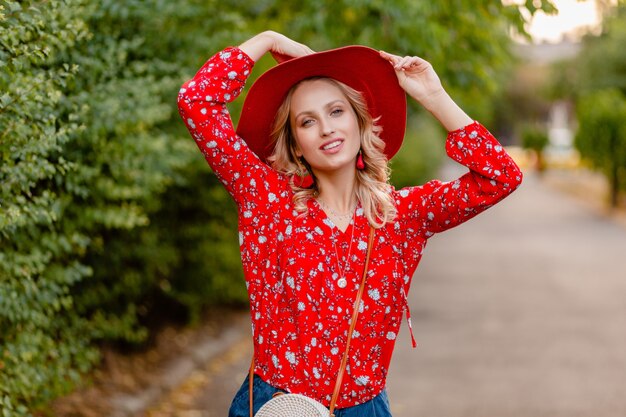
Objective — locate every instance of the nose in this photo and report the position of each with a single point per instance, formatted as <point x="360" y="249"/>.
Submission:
<point x="326" y="127"/>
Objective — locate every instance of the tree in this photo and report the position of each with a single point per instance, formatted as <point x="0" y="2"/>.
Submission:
<point x="601" y="136"/>
<point x="599" y="86"/>
<point x="535" y="138"/>
<point x="602" y="62"/>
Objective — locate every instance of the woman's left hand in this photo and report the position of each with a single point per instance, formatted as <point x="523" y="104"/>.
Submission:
<point x="416" y="76"/>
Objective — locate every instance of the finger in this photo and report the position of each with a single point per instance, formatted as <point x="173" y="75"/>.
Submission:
<point x="417" y="61"/>
<point x="279" y="58"/>
<point x="294" y="51"/>
<point x="406" y="62"/>
<point x="389" y="57"/>
<point x="416" y="64"/>
<point x="302" y="50"/>
<point x="401" y="63"/>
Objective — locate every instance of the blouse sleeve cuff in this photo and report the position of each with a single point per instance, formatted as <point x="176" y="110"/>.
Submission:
<point x="462" y="129"/>
<point x="473" y="130"/>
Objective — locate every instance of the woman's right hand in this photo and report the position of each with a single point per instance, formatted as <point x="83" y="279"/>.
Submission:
<point x="280" y="46"/>
<point x="285" y="48"/>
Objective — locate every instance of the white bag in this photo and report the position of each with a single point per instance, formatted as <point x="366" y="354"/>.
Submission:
<point x="292" y="405"/>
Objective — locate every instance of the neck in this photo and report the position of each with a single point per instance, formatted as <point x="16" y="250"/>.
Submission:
<point x="337" y="190"/>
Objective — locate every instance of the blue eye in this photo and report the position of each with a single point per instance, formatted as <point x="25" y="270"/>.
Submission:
<point x="306" y="122"/>
<point x="336" y="112"/>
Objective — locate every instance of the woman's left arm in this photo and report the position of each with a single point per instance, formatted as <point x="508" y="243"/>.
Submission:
<point x="438" y="206"/>
<point x="418" y="78"/>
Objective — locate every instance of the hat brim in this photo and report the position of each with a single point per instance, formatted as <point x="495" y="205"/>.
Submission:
<point x="359" y="67"/>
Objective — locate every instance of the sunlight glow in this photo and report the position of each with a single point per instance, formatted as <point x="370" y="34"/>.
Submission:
<point x="573" y="18"/>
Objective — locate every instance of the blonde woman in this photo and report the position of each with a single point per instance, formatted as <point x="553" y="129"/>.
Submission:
<point x="308" y="169"/>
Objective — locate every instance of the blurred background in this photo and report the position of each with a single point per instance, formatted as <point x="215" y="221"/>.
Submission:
<point x="118" y="246"/>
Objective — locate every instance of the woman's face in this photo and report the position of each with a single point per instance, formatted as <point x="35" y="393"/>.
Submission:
<point x="325" y="126"/>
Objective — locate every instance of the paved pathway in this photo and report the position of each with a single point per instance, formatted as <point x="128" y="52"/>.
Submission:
<point x="521" y="312"/>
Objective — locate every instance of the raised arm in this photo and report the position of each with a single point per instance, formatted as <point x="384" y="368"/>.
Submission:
<point x="438" y="206"/>
<point x="202" y="105"/>
<point x="418" y="78"/>
<point x="280" y="46"/>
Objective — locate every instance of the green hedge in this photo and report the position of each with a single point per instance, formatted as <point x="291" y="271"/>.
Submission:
<point x="38" y="181"/>
<point x="94" y="165"/>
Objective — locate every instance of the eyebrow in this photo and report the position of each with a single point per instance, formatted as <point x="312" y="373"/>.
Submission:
<point x="327" y="105"/>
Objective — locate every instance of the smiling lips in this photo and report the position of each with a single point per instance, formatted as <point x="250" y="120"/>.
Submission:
<point x="332" y="146"/>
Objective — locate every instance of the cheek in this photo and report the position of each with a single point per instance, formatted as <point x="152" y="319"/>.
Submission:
<point x="297" y="138"/>
<point x="354" y="125"/>
<point x="356" y="131"/>
<point x="297" y="146"/>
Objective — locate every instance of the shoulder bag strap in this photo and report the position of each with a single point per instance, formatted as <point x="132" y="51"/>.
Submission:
<point x="344" y="359"/>
<point x="355" y="315"/>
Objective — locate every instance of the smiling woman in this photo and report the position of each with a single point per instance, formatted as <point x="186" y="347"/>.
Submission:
<point x="319" y="109"/>
<point x="324" y="130"/>
<point x="336" y="117"/>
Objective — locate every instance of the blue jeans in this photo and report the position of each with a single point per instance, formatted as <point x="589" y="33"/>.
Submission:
<point x="240" y="407"/>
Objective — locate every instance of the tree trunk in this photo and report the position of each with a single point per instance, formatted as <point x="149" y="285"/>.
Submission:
<point x="614" y="186"/>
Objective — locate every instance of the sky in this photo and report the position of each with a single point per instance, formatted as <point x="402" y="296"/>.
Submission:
<point x="572" y="14"/>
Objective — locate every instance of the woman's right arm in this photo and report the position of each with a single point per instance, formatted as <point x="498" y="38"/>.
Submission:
<point x="280" y="46"/>
<point x="202" y="105"/>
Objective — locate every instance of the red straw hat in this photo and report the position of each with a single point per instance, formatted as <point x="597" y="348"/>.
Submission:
<point x="359" y="67"/>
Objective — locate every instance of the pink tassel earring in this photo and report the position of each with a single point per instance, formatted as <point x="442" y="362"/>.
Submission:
<point x="360" y="165"/>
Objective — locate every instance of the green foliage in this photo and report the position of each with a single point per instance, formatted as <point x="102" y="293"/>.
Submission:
<point x="87" y="155"/>
<point x="597" y="81"/>
<point x="534" y="137"/>
<point x="203" y="227"/>
<point x="601" y="137"/>
<point x="421" y="154"/>
<point x="602" y="62"/>
<point x="38" y="265"/>
<point x="108" y="213"/>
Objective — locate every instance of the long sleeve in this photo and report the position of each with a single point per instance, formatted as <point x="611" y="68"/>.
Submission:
<point x="202" y="105"/>
<point x="493" y="175"/>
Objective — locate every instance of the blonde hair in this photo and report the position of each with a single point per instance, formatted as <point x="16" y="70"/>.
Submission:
<point x="372" y="183"/>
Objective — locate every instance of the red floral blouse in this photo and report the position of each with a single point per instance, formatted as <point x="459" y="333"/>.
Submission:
<point x="293" y="263"/>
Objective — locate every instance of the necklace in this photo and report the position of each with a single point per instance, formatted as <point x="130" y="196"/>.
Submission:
<point x="342" y="282"/>
<point x="339" y="216"/>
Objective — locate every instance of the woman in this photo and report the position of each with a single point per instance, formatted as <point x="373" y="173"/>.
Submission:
<point x="308" y="170"/>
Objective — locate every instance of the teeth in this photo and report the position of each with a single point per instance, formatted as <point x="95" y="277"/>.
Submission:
<point x="332" y="145"/>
